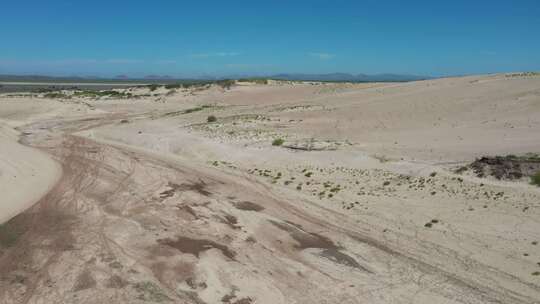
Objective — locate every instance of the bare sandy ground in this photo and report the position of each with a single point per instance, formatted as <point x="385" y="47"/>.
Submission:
<point x="359" y="204"/>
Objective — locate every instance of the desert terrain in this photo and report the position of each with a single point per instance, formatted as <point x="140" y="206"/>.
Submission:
<point x="271" y="192"/>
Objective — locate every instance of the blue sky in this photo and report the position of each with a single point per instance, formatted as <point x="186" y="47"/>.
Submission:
<point x="194" y="38"/>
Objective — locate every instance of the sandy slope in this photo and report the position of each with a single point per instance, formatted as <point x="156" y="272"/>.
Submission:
<point x="157" y="205"/>
<point x="26" y="174"/>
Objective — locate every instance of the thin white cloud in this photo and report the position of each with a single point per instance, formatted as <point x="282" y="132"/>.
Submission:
<point x="323" y="56"/>
<point x="8" y="62"/>
<point x="66" y="61"/>
<point x="217" y="54"/>
<point x="71" y="61"/>
<point x="166" y="61"/>
<point x="246" y="65"/>
<point x="123" y="61"/>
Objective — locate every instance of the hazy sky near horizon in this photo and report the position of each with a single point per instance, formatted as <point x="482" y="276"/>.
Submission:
<point x="194" y="38"/>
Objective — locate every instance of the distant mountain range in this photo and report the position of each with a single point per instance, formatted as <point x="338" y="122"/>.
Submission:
<point x="157" y="77"/>
<point x="350" y="77"/>
<point x="337" y="77"/>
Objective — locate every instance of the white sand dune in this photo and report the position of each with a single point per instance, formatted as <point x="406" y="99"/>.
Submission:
<point x="26" y="174"/>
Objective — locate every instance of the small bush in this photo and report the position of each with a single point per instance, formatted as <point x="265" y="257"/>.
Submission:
<point x="56" y="95"/>
<point x="153" y="87"/>
<point x="535" y="179"/>
<point x="254" y="80"/>
<point x="106" y="93"/>
<point x="211" y="118"/>
<point x="461" y="169"/>
<point x="226" y="83"/>
<point x="278" y="142"/>
<point x="173" y="86"/>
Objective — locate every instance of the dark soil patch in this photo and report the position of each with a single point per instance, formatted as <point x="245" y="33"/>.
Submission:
<point x="84" y="281"/>
<point x="24" y="235"/>
<point x="228" y="298"/>
<point x="182" y="271"/>
<point x="305" y="239"/>
<point x="248" y="206"/>
<point x="116" y="282"/>
<point x="169" y="193"/>
<point x="10" y="233"/>
<point x="188" y="209"/>
<point x="231" y="298"/>
<point x="232" y="221"/>
<point x="247" y="300"/>
<point x="343" y="259"/>
<point x="199" y="187"/>
<point x="196" y="246"/>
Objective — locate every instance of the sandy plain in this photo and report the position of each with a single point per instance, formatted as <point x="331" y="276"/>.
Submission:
<point x="145" y="201"/>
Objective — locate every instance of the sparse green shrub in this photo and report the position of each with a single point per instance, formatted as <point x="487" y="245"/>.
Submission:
<point x="278" y="142"/>
<point x="254" y="80"/>
<point x="107" y="93"/>
<point x="44" y="90"/>
<point x="335" y="189"/>
<point x="187" y="85"/>
<point x="173" y="86"/>
<point x="150" y="292"/>
<point x="8" y="235"/>
<point x="461" y="169"/>
<point x="535" y="179"/>
<point x="56" y="95"/>
<point x="211" y="119"/>
<point x="226" y="83"/>
<point x="153" y="87"/>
